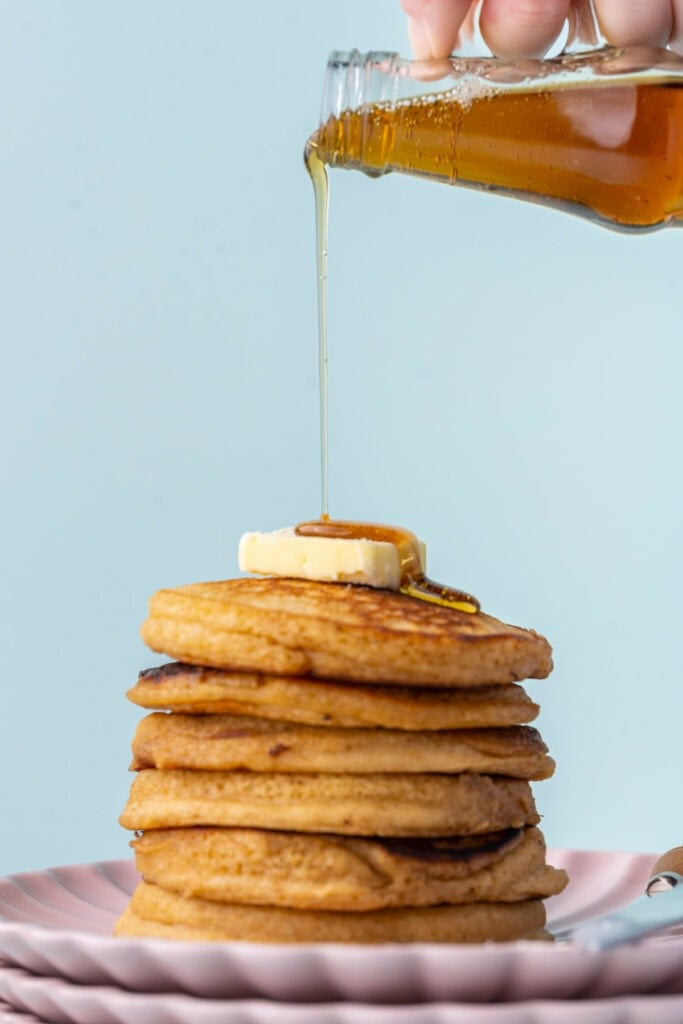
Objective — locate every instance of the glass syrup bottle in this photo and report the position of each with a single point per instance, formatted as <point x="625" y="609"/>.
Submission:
<point x="599" y="133"/>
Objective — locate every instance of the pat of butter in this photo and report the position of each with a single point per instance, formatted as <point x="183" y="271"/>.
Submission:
<point x="328" y="559"/>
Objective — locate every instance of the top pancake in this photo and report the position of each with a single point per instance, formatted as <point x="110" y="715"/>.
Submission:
<point x="339" y="631"/>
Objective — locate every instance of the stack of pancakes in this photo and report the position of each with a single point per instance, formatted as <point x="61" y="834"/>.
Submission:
<point x="339" y="764"/>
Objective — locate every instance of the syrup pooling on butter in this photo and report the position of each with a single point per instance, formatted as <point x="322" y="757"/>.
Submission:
<point x="414" y="582"/>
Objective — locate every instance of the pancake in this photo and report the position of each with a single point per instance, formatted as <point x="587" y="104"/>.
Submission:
<point x="369" y="805"/>
<point x="338" y="631"/>
<point x="154" y="911"/>
<point x="230" y="742"/>
<point x="326" y="872"/>
<point x="197" y="690"/>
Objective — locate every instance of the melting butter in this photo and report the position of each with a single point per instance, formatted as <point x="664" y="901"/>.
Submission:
<point x="337" y="551"/>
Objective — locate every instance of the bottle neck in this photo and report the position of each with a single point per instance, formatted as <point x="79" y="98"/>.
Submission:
<point x="355" y="79"/>
<point x="354" y="84"/>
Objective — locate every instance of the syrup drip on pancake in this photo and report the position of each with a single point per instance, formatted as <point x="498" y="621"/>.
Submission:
<point x="414" y="582"/>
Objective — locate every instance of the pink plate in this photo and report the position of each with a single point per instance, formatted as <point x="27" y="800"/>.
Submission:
<point x="59" y="1001"/>
<point x="58" y="922"/>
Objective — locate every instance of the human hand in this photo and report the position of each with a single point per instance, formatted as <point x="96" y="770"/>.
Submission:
<point x="528" y="28"/>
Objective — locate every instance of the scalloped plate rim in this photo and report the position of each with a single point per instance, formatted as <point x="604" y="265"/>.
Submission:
<point x="75" y="1002"/>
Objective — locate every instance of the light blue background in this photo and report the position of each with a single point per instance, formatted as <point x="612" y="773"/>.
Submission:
<point x="505" y="381"/>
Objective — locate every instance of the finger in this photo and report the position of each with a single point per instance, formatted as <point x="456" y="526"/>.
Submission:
<point x="522" y="28"/>
<point x="434" y="26"/>
<point x="636" y="22"/>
